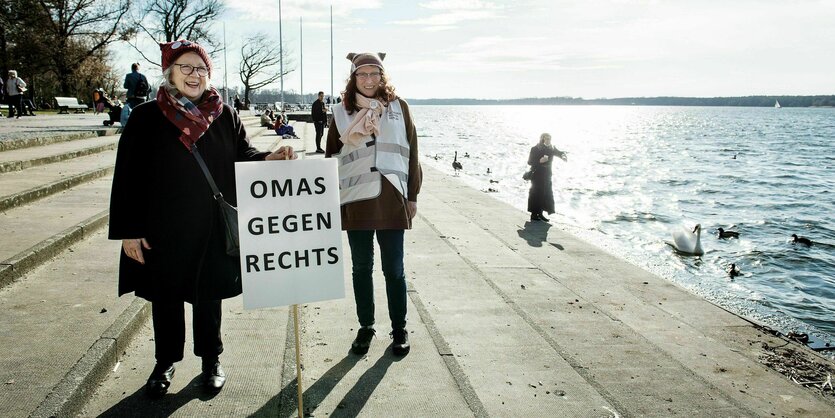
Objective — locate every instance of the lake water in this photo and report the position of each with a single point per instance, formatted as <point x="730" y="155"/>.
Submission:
<point x="634" y="174"/>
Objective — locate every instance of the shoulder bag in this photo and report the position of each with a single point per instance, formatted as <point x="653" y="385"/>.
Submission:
<point x="228" y="213"/>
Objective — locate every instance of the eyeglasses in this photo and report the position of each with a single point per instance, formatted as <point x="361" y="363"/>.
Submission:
<point x="375" y="76"/>
<point x="188" y="69"/>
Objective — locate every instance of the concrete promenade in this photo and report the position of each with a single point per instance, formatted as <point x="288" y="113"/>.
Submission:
<point x="506" y="318"/>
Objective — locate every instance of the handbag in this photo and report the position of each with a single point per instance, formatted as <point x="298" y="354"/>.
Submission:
<point x="528" y="174"/>
<point x="228" y="213"/>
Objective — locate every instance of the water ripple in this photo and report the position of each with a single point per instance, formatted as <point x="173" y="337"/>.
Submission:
<point x="635" y="173"/>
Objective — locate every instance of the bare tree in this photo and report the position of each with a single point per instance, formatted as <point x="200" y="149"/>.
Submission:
<point x="170" y="20"/>
<point x="259" y="57"/>
<point x="79" y="30"/>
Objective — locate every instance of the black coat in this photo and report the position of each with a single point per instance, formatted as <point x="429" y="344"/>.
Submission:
<point x="541" y="195"/>
<point x="160" y="194"/>
<point x="318" y="113"/>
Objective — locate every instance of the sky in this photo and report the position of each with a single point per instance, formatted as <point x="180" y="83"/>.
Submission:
<point x="491" y="49"/>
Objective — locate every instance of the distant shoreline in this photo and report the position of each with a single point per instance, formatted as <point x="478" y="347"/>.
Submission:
<point x="827" y="101"/>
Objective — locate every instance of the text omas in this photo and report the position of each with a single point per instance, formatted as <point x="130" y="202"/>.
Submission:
<point x="278" y="188"/>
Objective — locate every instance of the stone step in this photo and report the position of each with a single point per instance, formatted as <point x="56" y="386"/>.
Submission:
<point x="49" y="282"/>
<point x="20" y="187"/>
<point x="45" y="138"/>
<point x="24" y="158"/>
<point x="64" y="323"/>
<point x="37" y="232"/>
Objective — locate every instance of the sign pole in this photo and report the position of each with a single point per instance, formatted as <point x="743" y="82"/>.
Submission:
<point x="309" y="262"/>
<point x="298" y="360"/>
<point x="298" y="343"/>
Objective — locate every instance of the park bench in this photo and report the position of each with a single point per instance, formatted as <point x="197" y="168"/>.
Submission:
<point x="67" y="103"/>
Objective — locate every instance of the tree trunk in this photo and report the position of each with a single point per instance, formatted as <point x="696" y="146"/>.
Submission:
<point x="4" y="52"/>
<point x="65" y="74"/>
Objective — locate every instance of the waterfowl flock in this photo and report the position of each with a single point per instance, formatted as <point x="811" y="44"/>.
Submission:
<point x="685" y="241"/>
<point x="688" y="242"/>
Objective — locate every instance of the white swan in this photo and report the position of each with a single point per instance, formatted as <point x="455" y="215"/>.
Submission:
<point x="689" y="242"/>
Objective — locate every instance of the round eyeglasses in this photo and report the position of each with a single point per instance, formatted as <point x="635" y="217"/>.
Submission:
<point x="188" y="69"/>
<point x="365" y="76"/>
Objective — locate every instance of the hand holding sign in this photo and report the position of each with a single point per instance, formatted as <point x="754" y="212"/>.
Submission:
<point x="282" y="153"/>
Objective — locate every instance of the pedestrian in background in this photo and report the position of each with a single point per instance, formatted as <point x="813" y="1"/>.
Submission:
<point x="2" y="93"/>
<point x="374" y="138"/>
<point x="15" y="86"/>
<point x="319" y="115"/>
<point x="238" y="104"/>
<point x="162" y="209"/>
<point x="137" y="86"/>
<point x="541" y="194"/>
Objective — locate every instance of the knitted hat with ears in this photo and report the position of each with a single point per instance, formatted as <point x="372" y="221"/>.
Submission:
<point x="366" y="58"/>
<point x="172" y="50"/>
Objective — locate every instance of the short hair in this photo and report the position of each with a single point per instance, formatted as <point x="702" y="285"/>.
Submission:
<point x="166" y="80"/>
<point x="543" y="137"/>
<point x="134" y="66"/>
<point x="321" y="93"/>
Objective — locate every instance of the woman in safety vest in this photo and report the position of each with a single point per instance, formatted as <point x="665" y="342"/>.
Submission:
<point x="373" y="137"/>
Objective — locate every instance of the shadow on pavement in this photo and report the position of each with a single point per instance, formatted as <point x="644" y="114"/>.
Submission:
<point x="535" y="233"/>
<point x="356" y="398"/>
<point x="139" y="405"/>
<point x="350" y="405"/>
<point x="283" y="404"/>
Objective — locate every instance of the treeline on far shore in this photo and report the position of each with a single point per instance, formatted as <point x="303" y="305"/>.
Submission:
<point x="752" y="101"/>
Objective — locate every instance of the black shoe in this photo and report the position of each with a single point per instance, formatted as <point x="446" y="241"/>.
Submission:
<point x="213" y="375"/>
<point x="363" y="341"/>
<point x="320" y="151"/>
<point x="160" y="380"/>
<point x="543" y="218"/>
<point x="536" y="217"/>
<point x="400" y="346"/>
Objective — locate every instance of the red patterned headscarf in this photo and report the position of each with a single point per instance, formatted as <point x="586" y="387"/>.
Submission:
<point x="192" y="120"/>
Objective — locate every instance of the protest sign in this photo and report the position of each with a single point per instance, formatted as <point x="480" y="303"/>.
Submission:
<point x="290" y="232"/>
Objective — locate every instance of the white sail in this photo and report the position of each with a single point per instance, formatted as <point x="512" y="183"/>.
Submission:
<point x="777" y="104"/>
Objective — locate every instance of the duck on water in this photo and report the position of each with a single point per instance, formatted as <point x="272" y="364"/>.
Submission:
<point x="727" y="234"/>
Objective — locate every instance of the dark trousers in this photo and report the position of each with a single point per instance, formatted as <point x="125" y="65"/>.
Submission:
<point x="391" y="255"/>
<point x="15" y="103"/>
<point x="170" y="329"/>
<point x="320" y="130"/>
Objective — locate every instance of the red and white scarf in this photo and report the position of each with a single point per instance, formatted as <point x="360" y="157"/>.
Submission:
<point x="192" y="120"/>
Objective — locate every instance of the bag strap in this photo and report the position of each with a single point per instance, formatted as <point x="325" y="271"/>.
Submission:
<point x="216" y="193"/>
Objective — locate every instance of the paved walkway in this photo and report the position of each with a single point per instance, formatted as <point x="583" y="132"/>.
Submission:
<point x="506" y="318"/>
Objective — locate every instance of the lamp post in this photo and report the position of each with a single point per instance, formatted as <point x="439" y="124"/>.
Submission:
<point x="281" y="57"/>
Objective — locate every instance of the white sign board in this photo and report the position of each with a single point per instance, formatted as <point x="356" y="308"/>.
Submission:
<point x="290" y="232"/>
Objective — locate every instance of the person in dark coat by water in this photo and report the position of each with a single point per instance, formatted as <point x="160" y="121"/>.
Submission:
<point x="162" y="209"/>
<point x="541" y="195"/>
